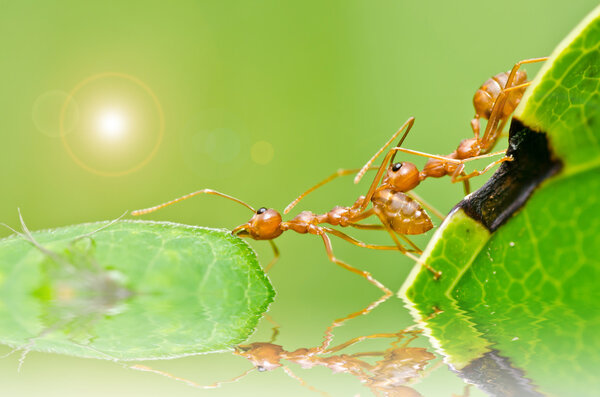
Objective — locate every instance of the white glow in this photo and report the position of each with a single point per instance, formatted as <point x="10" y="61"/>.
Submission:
<point x="111" y="124"/>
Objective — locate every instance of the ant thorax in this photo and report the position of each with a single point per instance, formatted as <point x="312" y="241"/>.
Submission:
<point x="436" y="168"/>
<point x="304" y="222"/>
<point x="338" y="216"/>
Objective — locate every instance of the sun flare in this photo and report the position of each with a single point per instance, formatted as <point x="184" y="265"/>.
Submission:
<point x="112" y="124"/>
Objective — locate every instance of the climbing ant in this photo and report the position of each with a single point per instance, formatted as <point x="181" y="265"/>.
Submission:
<point x="495" y="101"/>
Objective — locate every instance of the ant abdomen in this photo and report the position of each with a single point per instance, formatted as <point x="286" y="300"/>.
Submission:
<point x="486" y="95"/>
<point x="402" y="213"/>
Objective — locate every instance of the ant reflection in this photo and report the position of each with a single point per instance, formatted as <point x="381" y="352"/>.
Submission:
<point x="391" y="375"/>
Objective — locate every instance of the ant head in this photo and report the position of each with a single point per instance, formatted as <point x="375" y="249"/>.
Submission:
<point x="264" y="356"/>
<point x="402" y="177"/>
<point x="264" y="225"/>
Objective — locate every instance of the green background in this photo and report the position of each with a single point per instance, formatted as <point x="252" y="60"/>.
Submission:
<point x="324" y="83"/>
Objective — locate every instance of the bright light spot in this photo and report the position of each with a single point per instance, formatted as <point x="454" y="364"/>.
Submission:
<point x="111" y="124"/>
<point x="262" y="152"/>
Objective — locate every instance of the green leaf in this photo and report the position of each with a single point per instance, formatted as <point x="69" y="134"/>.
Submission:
<point x="520" y="267"/>
<point x="134" y="290"/>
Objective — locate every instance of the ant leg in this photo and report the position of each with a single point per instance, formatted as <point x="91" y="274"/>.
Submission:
<point x="363" y="226"/>
<point x="423" y="203"/>
<point x="416" y="249"/>
<point x="303" y="382"/>
<point x="463" y="177"/>
<point x="476" y="126"/>
<point x="381" y="227"/>
<point x="362" y="338"/>
<point x="275" y="256"/>
<point x="436" y="274"/>
<point x="366" y="275"/>
<point x="275" y="328"/>
<point x="493" y="139"/>
<point x="482" y="156"/>
<point x="428" y="155"/>
<point x="388" y="158"/>
<point x="392" y="234"/>
<point x="524" y="62"/>
<point x="359" y="243"/>
<point x="187" y="196"/>
<point x="466" y="185"/>
<point x="362" y="273"/>
<point x="139" y="367"/>
<point x="517" y="87"/>
<point x="408" y="125"/>
<point x="337" y="174"/>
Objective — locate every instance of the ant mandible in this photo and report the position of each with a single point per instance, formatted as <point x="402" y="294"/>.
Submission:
<point x="495" y="101"/>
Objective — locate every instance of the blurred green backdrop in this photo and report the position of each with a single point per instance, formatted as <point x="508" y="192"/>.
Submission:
<point x="258" y="99"/>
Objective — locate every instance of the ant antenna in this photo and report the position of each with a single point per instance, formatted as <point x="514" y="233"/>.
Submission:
<point x="109" y="224"/>
<point x="408" y="125"/>
<point x="187" y="196"/>
<point x="27" y="236"/>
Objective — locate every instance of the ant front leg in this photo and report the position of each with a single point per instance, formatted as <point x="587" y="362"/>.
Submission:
<point x="387" y="293"/>
<point x="275" y="256"/>
<point x="459" y="175"/>
<point x="466" y="185"/>
<point x="362" y="273"/>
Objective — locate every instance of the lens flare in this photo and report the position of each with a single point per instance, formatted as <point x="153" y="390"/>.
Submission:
<point x="120" y="125"/>
<point x="112" y="124"/>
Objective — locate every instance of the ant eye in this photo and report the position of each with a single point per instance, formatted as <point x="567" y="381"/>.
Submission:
<point x="261" y="368"/>
<point x="261" y="210"/>
<point x="396" y="167"/>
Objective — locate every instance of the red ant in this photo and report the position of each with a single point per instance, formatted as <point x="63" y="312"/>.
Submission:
<point x="495" y="100"/>
<point x="398" y="213"/>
